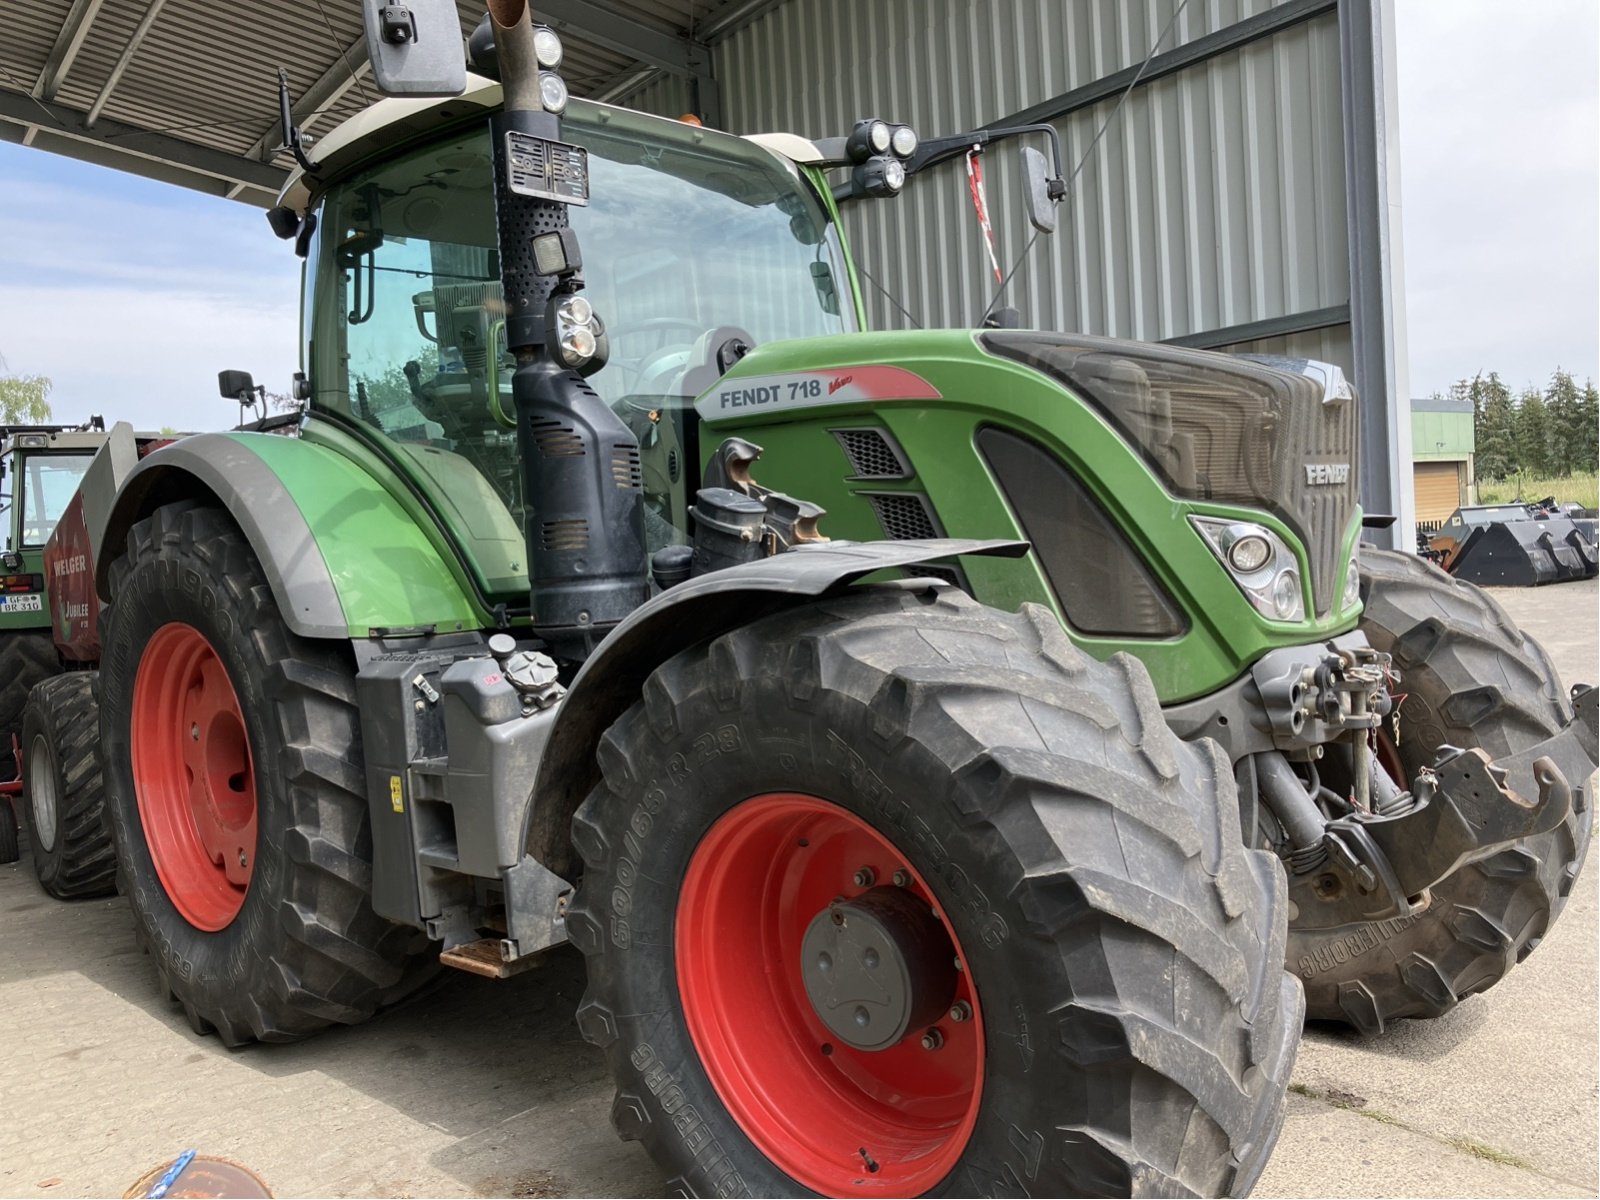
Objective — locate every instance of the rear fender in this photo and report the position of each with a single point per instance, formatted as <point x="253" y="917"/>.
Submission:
<point x="614" y="676"/>
<point x="342" y="556"/>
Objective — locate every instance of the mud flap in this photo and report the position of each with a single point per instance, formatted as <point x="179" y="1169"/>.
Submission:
<point x="1468" y="808"/>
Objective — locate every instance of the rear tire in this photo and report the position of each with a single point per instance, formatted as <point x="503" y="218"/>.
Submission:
<point x="25" y="659"/>
<point x="63" y="794"/>
<point x="1470" y="678"/>
<point x="1136" y="1028"/>
<point x="303" y="949"/>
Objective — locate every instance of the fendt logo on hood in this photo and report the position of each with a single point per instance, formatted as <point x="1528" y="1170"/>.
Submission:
<point x="807" y="389"/>
<point x="1327" y="474"/>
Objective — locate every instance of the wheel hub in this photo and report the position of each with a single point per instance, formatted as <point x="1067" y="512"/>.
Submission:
<point x="877" y="967"/>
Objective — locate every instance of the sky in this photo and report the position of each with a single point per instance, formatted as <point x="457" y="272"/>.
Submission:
<point x="132" y="294"/>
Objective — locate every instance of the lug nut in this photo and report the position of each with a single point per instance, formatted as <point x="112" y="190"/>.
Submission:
<point x="244" y="859"/>
<point x="865" y="877"/>
<point x="902" y="878"/>
<point x="960" y="1011"/>
<point x="194" y="733"/>
<point x="932" y="1040"/>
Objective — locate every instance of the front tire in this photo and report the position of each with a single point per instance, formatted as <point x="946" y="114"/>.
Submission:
<point x="63" y="792"/>
<point x="1470" y="678"/>
<point x="236" y="794"/>
<point x="905" y="755"/>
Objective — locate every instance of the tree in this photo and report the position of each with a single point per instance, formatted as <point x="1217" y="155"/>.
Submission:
<point x="23" y="398"/>
<point x="1534" y="443"/>
<point x="1572" y="424"/>
<point x="1494" y="422"/>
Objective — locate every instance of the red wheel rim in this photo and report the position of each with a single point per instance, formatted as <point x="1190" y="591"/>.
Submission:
<point x="193" y="776"/>
<point x="837" y="1119"/>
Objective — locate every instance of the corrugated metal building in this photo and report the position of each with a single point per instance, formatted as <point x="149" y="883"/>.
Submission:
<point x="1238" y="187"/>
<point x="1239" y="195"/>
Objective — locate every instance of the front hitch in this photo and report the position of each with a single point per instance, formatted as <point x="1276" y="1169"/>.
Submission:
<point x="1465" y="808"/>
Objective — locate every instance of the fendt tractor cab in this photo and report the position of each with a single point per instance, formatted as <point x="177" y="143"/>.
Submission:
<point x="962" y="852"/>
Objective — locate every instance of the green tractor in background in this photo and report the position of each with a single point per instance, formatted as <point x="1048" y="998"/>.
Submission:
<point x="40" y="469"/>
<point x="961" y="853"/>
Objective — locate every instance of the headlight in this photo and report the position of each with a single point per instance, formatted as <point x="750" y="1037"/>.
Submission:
<point x="1249" y="553"/>
<point x="547" y="47"/>
<point x="576" y="310"/>
<point x="894" y="174"/>
<point x="577" y="345"/>
<point x="904" y="141"/>
<point x="879" y="137"/>
<point x="1286" y="594"/>
<point x="552" y="91"/>
<point x="1352" y="581"/>
<point x="1260" y="563"/>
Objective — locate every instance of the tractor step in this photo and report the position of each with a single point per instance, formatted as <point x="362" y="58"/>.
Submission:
<point x="485" y="957"/>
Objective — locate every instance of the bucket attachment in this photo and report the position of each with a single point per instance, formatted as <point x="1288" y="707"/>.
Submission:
<point x="1524" y="554"/>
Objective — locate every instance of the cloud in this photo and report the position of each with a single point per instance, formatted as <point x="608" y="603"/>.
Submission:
<point x="1499" y="124"/>
<point x="132" y="295"/>
<point x="147" y="357"/>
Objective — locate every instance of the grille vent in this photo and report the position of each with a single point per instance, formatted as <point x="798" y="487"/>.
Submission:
<point x="905" y="516"/>
<point x="873" y="454"/>
<point x="556" y="440"/>
<point x="564" y="535"/>
<point x="625" y="468"/>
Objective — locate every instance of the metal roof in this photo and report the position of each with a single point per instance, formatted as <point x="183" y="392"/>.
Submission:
<point x="186" y="90"/>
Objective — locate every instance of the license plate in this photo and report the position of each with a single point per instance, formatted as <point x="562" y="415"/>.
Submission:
<point x="11" y="604"/>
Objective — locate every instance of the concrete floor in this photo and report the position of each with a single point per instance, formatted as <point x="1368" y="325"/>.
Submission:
<point x="483" y="1088"/>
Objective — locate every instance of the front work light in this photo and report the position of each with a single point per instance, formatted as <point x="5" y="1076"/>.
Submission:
<point x="880" y="176"/>
<point x="869" y="137"/>
<point x="904" y="141"/>
<point x="552" y="92"/>
<point x="547" y="47"/>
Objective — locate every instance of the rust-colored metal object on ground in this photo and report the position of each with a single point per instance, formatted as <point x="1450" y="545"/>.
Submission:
<point x="205" y="1177"/>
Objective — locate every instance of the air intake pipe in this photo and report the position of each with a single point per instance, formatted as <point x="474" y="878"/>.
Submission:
<point x="582" y="486"/>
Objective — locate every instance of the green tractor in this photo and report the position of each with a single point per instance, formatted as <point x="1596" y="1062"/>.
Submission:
<point x="962" y="853"/>
<point x="40" y="469"/>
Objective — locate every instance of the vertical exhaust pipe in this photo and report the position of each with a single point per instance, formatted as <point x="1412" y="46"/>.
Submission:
<point x="583" y="489"/>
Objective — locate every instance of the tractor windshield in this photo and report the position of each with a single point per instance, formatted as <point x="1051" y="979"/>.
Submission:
<point x="43" y="487"/>
<point x="686" y="233"/>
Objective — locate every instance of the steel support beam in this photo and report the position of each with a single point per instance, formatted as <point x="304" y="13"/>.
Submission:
<point x="345" y="73"/>
<point x="135" y="40"/>
<point x="1255" y="331"/>
<point x="1377" y="274"/>
<point x="69" y="40"/>
<point x="123" y="146"/>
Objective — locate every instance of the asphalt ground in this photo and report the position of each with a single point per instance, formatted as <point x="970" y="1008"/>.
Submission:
<point x="484" y="1088"/>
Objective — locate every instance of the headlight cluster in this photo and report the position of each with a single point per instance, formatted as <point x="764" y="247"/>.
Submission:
<point x="1261" y="564"/>
<point x="880" y="151"/>
<point x="552" y="88"/>
<point x="577" y="336"/>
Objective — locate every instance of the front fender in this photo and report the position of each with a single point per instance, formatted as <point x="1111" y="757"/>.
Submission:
<point x="614" y="675"/>
<point x="341" y="554"/>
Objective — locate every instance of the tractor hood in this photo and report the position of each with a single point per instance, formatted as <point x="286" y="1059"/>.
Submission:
<point x="1273" y="434"/>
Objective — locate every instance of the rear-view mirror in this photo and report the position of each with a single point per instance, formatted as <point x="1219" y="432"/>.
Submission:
<point x="415" y="48"/>
<point x="1036" y="190"/>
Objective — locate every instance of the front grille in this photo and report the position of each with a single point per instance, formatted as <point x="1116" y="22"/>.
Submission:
<point x="905" y="516"/>
<point x="1218" y="427"/>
